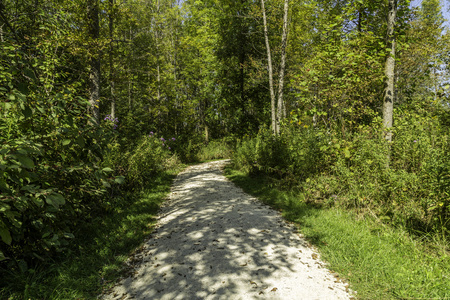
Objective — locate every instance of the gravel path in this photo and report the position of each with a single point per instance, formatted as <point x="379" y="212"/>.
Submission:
<point x="213" y="241"/>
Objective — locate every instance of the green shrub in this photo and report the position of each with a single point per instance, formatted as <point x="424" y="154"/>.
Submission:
<point x="297" y="153"/>
<point x="309" y="151"/>
<point x="150" y="156"/>
<point x="243" y="157"/>
<point x="146" y="160"/>
<point x="406" y="182"/>
<point x="50" y="177"/>
<point x="216" y="149"/>
<point x="188" y="147"/>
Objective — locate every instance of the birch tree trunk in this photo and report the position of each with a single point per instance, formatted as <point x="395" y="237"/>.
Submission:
<point x="269" y="66"/>
<point x="281" y="105"/>
<point x="94" y="76"/>
<point x="389" y="71"/>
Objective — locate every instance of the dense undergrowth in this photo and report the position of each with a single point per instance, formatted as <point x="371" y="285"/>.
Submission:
<point x="72" y="221"/>
<point x="411" y="189"/>
<point x="95" y="258"/>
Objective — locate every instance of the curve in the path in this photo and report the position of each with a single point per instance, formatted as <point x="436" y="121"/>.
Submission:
<point x="214" y="241"/>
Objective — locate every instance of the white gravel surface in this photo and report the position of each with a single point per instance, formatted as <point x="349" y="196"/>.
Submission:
<point x="213" y="241"/>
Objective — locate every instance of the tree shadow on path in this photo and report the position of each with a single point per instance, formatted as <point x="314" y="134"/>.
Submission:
<point x="214" y="241"/>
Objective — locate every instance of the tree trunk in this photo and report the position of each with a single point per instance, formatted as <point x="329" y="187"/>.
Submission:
<point x="111" y="60"/>
<point x="281" y="105"/>
<point x="94" y="76"/>
<point x="269" y="66"/>
<point x="206" y="134"/>
<point x="130" y="101"/>
<point x="388" y="101"/>
<point x="130" y="77"/>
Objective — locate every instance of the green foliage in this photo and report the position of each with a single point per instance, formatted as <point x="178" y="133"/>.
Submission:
<point x="58" y="172"/>
<point x="340" y="85"/>
<point x="264" y="152"/>
<point x="51" y="180"/>
<point x="138" y="164"/>
<point x="423" y="149"/>
<point x="353" y="173"/>
<point x="96" y="259"/>
<point x="49" y="175"/>
<point x="216" y="149"/>
<point x="298" y="152"/>
<point x="146" y="160"/>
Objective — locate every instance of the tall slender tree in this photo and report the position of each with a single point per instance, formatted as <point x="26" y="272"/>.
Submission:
<point x="389" y="71"/>
<point x="94" y="76"/>
<point x="277" y="109"/>
<point x="269" y="67"/>
<point x="281" y="109"/>
<point x="111" y="59"/>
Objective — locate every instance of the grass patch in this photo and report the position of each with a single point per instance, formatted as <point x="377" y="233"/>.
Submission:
<point x="380" y="262"/>
<point x="96" y="258"/>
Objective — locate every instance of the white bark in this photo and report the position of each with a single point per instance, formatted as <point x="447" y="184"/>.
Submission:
<point x="281" y="105"/>
<point x="388" y="100"/>
<point x="278" y="110"/>
<point x="269" y="65"/>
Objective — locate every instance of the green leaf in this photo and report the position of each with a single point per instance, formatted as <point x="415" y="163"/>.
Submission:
<point x="2" y="256"/>
<point x="68" y="235"/>
<point x="27" y="112"/>
<point x="66" y="142"/>
<point x="38" y="201"/>
<point x="119" y="179"/>
<point x="25" y="161"/>
<point x="5" y="235"/>
<point x="106" y="184"/>
<point x="4" y="207"/>
<point x="22" y="151"/>
<point x="81" y="142"/>
<point x="21" y="96"/>
<point x="55" y="200"/>
<point x="347" y="153"/>
<point x="41" y="109"/>
<point x="107" y="170"/>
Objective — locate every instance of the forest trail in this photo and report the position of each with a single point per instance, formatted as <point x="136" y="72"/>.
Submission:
<point x="213" y="241"/>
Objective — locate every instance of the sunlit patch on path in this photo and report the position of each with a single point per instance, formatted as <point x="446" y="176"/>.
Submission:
<point x="213" y="241"/>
